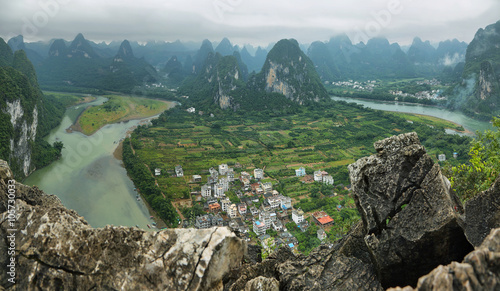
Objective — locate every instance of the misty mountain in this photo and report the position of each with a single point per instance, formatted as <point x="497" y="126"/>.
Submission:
<point x="225" y="48"/>
<point x="479" y="93"/>
<point x="201" y="55"/>
<point x="421" y="52"/>
<point x="17" y="43"/>
<point x="82" y="65"/>
<point x="288" y="71"/>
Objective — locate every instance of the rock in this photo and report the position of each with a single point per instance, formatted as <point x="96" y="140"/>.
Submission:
<point x="262" y="284"/>
<point x="480" y="270"/>
<point x="56" y="249"/>
<point x="408" y="211"/>
<point x="482" y="214"/>
<point x="325" y="268"/>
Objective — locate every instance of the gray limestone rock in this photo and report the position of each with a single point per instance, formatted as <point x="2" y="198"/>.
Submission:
<point x="409" y="212"/>
<point x="56" y="249"/>
<point x="482" y="214"/>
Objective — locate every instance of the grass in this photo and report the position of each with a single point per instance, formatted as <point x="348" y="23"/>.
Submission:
<point x="119" y="108"/>
<point x="430" y="120"/>
<point x="69" y="99"/>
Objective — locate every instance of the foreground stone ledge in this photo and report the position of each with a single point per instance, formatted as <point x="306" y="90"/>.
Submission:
<point x="56" y="249"/>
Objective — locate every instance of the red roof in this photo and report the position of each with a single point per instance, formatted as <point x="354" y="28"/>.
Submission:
<point x="325" y="219"/>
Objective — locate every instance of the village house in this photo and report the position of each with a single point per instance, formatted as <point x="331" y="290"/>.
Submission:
<point x="214" y="207"/>
<point x="225" y="203"/>
<point x="157" y="172"/>
<point x="213" y="173"/>
<point x="274" y="202"/>
<point x="230" y="175"/>
<point x="258" y="174"/>
<point x="233" y="211"/>
<point x="259" y="227"/>
<point x="286" y="202"/>
<point x="254" y="211"/>
<point x="217" y="220"/>
<point x="321" y="234"/>
<point x="322" y="218"/>
<point x="178" y="171"/>
<point x="191" y="110"/>
<point x="328" y="179"/>
<point x="265" y="218"/>
<point x="267" y="187"/>
<point x="277" y="225"/>
<point x="318" y="177"/>
<point x="203" y="221"/>
<point x="224" y="182"/>
<point x="196" y="178"/>
<point x="206" y="190"/>
<point x="242" y="209"/>
<point x="223" y="169"/>
<point x="442" y="157"/>
<point x="300" y="172"/>
<point x="297" y="216"/>
<point x="219" y="190"/>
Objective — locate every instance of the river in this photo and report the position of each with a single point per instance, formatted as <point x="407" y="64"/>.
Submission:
<point x="88" y="179"/>
<point x="453" y="116"/>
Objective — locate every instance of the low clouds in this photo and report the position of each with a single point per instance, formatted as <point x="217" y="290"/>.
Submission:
<point x="256" y="22"/>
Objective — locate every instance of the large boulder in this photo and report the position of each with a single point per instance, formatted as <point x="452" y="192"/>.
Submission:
<point x="482" y="214"/>
<point x="411" y="216"/>
<point x="56" y="249"/>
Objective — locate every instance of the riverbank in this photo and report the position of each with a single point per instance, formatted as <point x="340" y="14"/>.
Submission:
<point x="469" y="124"/>
<point x="118" y="109"/>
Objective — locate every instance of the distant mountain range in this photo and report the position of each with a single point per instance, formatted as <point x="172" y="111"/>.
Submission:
<point x="114" y="66"/>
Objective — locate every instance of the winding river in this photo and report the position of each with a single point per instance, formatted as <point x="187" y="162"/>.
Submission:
<point x="88" y="178"/>
<point x="453" y="116"/>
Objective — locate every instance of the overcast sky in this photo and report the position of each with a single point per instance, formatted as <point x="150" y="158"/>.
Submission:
<point x="243" y="21"/>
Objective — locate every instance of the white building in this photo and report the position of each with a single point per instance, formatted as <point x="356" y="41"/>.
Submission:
<point x="219" y="190"/>
<point x="274" y="202"/>
<point x="225" y="204"/>
<point x="206" y="191"/>
<point x="328" y="179"/>
<point x="297" y="216"/>
<point x="233" y="211"/>
<point x="259" y="227"/>
<point x="214" y="173"/>
<point x="224" y="182"/>
<point x="258" y="174"/>
<point x="265" y="218"/>
<point x="230" y="175"/>
<point x="300" y="172"/>
<point x="286" y="202"/>
<point x="191" y="110"/>
<point x="267" y="187"/>
<point x="442" y="157"/>
<point x="178" y="171"/>
<point x="223" y="169"/>
<point x="157" y="172"/>
<point x="318" y="176"/>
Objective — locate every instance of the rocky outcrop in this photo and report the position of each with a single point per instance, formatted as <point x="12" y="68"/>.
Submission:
<point x="482" y="214"/>
<point x="56" y="249"/>
<point x="480" y="270"/>
<point x="406" y="205"/>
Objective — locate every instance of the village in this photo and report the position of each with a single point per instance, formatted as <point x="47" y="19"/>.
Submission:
<point x="258" y="213"/>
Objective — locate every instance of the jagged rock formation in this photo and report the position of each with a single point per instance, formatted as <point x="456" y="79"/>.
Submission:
<point x="406" y="206"/>
<point x="478" y="271"/>
<point x="482" y="213"/>
<point x="56" y="249"/>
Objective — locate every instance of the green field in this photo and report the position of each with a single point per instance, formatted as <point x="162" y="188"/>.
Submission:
<point x="116" y="109"/>
<point x="328" y="139"/>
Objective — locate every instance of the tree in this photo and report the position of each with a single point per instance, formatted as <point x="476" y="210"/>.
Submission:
<point x="483" y="166"/>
